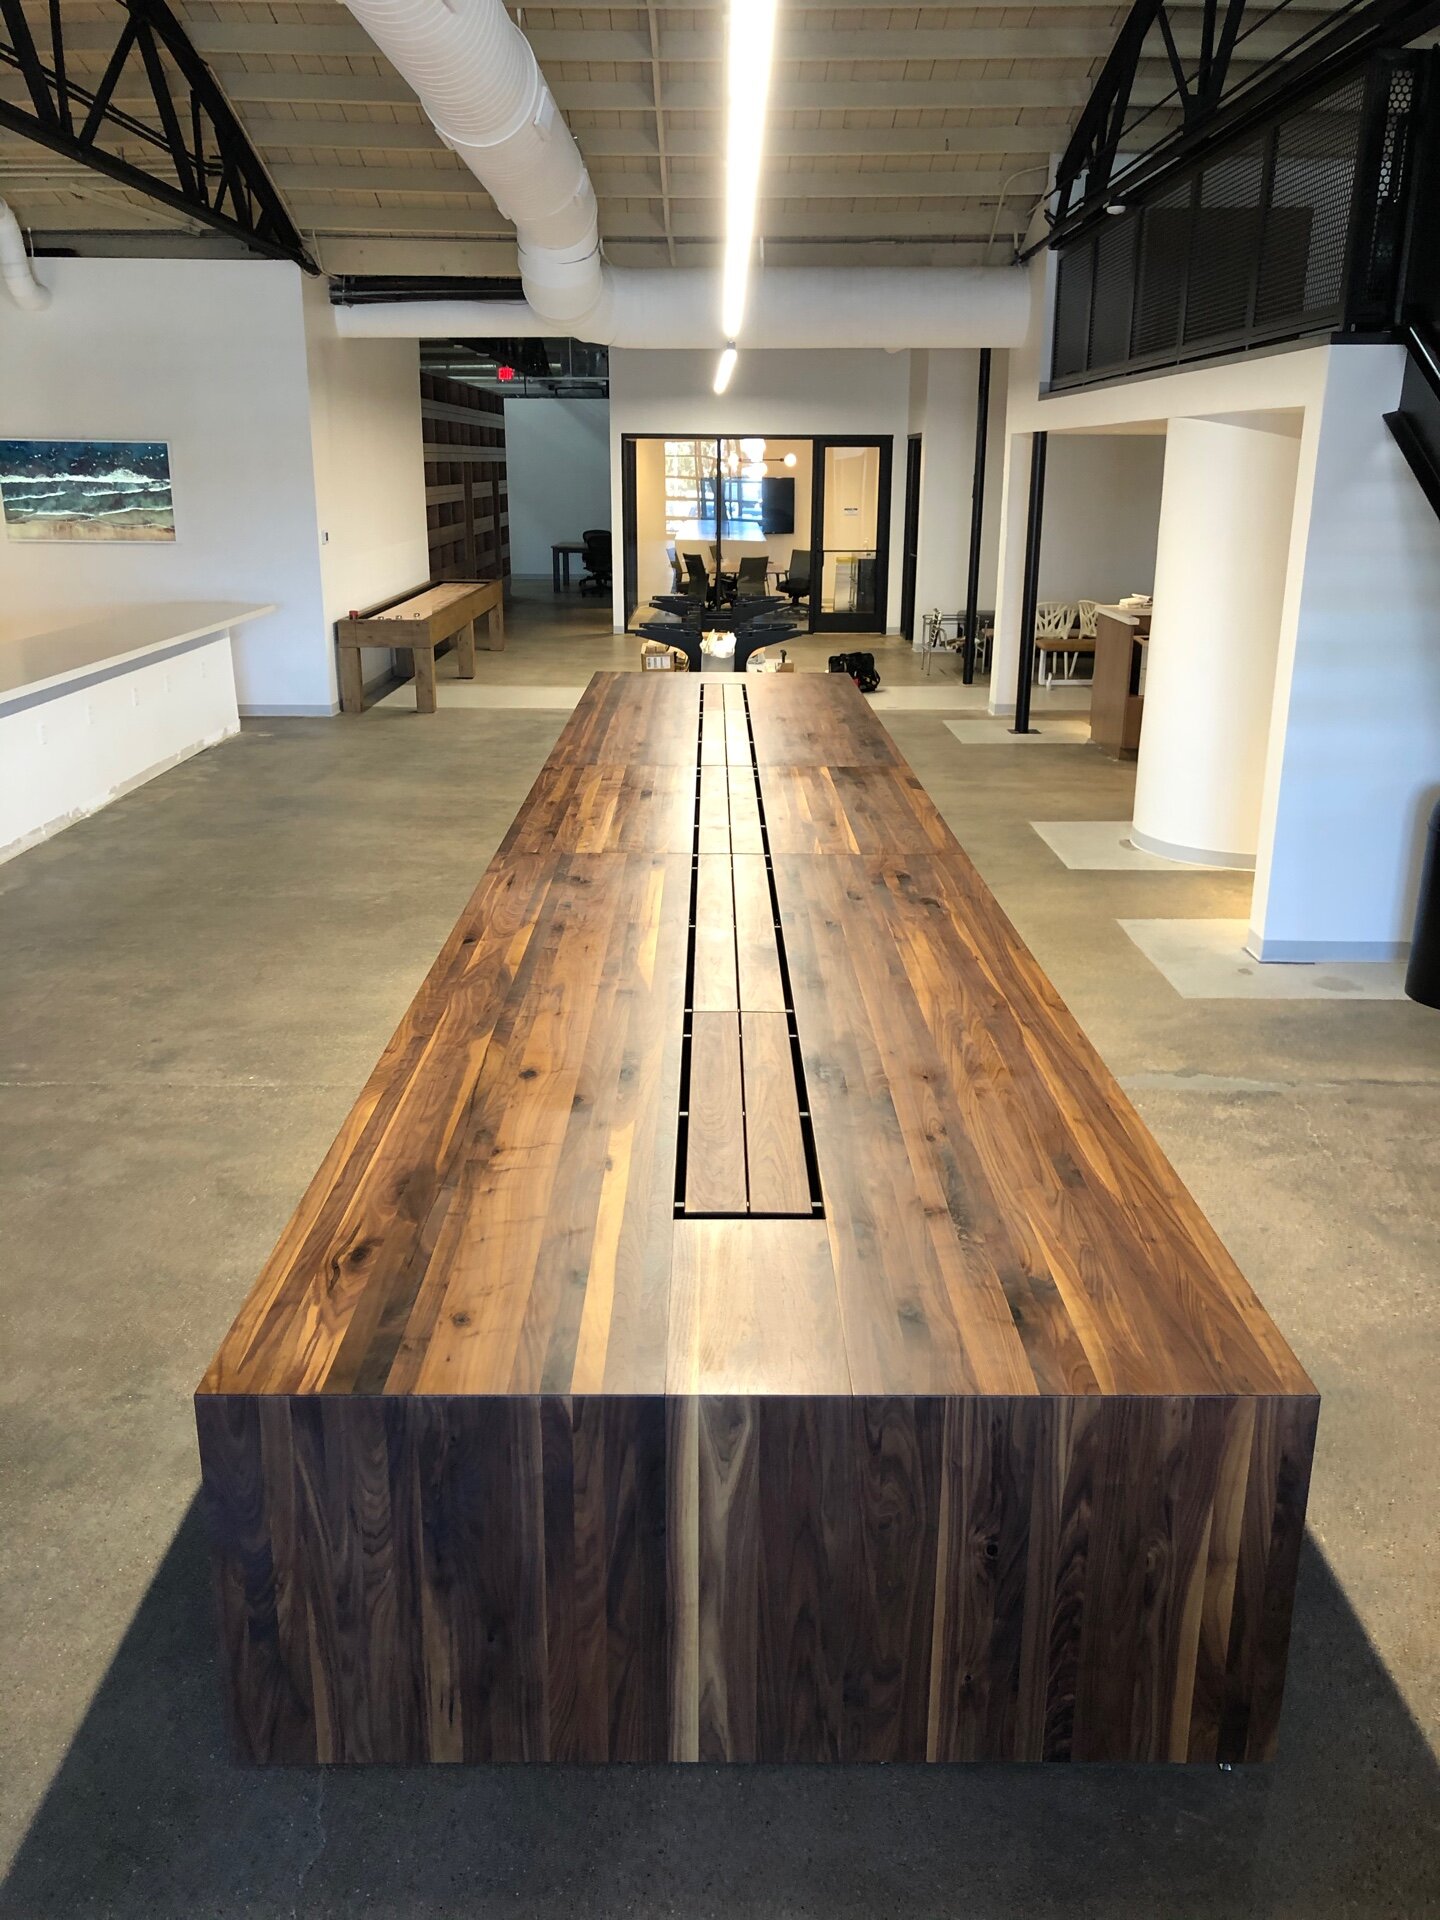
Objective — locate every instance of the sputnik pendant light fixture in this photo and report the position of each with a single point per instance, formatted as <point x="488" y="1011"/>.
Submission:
<point x="749" y="58"/>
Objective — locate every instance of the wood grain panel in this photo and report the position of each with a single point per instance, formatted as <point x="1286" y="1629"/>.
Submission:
<point x="793" y="1576"/>
<point x="744" y="809"/>
<point x="757" y="954"/>
<point x="754" y="1307"/>
<point x="715" y="1144"/>
<point x="778" y="1177"/>
<point x="716" y="988"/>
<point x="714" y="813"/>
<point x="606" y="809"/>
<point x="851" y="810"/>
<point x="1000" y="1458"/>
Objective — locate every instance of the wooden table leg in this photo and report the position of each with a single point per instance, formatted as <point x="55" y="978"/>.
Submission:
<point x="465" y="651"/>
<point x="352" y="681"/>
<point x="424" y="679"/>
<point x="555" y="568"/>
<point x="495" y="629"/>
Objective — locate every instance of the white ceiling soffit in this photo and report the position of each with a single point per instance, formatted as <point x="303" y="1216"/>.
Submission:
<point x="905" y="139"/>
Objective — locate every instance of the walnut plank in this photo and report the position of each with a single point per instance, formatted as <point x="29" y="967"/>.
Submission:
<point x="715" y="1146"/>
<point x="778" y="1179"/>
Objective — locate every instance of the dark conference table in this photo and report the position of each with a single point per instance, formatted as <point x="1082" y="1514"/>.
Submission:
<point x="743" y="1319"/>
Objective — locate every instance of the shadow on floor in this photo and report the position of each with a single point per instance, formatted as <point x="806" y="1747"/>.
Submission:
<point x="148" y="1816"/>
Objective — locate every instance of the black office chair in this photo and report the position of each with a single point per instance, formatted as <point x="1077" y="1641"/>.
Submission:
<point x="596" y="560"/>
<point x="796" y="582"/>
<point x="750" y="581"/>
<point x="697" y="576"/>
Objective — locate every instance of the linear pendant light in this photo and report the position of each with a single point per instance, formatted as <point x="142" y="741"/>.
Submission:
<point x="749" y="57"/>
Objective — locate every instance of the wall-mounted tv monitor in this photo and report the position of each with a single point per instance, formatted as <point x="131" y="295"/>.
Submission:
<point x="777" y="506"/>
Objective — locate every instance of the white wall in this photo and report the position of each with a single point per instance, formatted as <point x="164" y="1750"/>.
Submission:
<point x="271" y="424"/>
<point x="943" y="395"/>
<point x="369" y="459"/>
<point x="780" y="395"/>
<point x="209" y="356"/>
<point x="557" y="467"/>
<point x="1354" y="761"/>
<point x="1220" y="574"/>
<point x="1102" y="515"/>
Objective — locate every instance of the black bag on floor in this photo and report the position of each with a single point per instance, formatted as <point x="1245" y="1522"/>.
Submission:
<point x="859" y="666"/>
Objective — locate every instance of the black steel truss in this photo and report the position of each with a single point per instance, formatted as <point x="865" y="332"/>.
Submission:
<point x="215" y="174"/>
<point x="1213" y="106"/>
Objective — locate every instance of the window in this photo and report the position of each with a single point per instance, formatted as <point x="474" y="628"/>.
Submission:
<point x="688" y="468"/>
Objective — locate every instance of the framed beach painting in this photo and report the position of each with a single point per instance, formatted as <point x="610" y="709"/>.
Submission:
<point x="86" y="490"/>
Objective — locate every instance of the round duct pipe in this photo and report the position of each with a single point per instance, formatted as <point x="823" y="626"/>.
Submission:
<point x="478" y="79"/>
<point x="15" y="266"/>
<point x="793" y="307"/>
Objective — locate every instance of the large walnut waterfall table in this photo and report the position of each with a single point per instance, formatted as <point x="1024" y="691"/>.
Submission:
<point x="742" y="1318"/>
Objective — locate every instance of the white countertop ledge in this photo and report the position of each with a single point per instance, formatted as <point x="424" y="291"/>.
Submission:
<point x="33" y="663"/>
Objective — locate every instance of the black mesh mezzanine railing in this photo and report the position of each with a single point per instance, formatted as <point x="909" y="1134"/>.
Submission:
<point x="1297" y="229"/>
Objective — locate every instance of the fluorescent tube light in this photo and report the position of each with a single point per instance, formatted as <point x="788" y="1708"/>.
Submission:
<point x="725" y="369"/>
<point x="749" y="57"/>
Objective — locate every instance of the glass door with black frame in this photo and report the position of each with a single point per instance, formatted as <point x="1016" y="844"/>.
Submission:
<point x="850" y="547"/>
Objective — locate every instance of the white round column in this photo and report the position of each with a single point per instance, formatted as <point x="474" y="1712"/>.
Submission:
<point x="1220" y="564"/>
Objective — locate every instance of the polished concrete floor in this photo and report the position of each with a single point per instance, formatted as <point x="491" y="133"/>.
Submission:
<point x="194" y="985"/>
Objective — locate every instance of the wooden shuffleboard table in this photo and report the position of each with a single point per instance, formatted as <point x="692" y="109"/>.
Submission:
<point x="743" y="1319"/>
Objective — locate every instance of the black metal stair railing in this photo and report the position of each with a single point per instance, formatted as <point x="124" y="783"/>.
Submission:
<point x="1416" y="421"/>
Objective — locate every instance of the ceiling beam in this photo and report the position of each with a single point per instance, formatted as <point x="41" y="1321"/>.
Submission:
<point x="657" y="94"/>
<point x="963" y="184"/>
<point x="274" y="133"/>
<point x="346" y="39"/>
<point x="1004" y="93"/>
<point x="693" y="221"/>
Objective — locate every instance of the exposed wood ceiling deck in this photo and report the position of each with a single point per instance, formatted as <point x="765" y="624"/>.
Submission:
<point x="894" y="131"/>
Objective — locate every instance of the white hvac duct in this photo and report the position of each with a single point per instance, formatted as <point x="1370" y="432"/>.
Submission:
<point x="893" y="307"/>
<point x="478" y="79"/>
<point x="15" y="268"/>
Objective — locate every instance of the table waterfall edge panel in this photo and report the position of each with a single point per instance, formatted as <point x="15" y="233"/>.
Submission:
<point x="743" y="1320"/>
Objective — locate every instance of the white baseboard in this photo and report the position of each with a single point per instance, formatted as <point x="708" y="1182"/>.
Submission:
<point x="1311" y="952"/>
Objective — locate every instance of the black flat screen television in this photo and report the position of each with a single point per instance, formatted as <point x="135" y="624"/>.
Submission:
<point x="777" y="506"/>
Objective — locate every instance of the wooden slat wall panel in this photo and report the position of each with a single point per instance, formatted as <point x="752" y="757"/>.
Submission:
<point x="466" y="506"/>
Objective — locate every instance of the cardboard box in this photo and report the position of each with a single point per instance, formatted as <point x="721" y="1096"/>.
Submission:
<point x="655" y="657"/>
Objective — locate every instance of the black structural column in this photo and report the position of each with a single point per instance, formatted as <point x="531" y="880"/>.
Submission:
<point x="1025" y="671"/>
<point x="977" y="514"/>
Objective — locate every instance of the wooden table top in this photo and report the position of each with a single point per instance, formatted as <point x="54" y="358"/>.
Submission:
<point x="629" y="1140"/>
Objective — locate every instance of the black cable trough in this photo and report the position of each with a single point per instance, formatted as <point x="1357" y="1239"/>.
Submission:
<point x="816" y="1210"/>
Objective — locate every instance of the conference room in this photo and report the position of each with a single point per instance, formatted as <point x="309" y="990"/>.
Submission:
<point x="729" y="518"/>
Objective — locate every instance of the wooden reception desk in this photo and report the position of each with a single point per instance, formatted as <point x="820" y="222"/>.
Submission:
<point x="1116" y="702"/>
<point x="743" y="1319"/>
